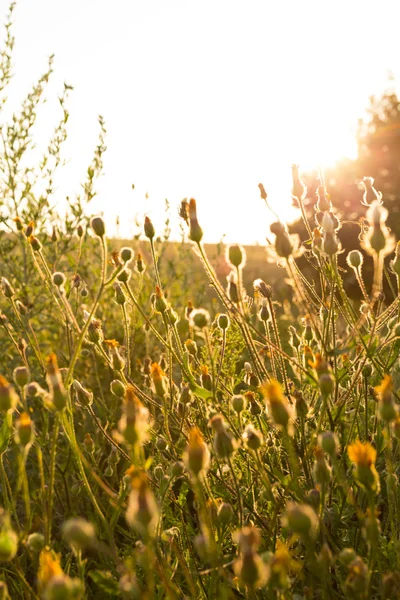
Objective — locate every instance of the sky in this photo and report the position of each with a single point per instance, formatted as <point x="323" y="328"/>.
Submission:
<point x="204" y="99"/>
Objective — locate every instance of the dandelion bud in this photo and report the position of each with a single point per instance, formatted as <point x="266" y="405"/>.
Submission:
<point x="263" y="193"/>
<point x="223" y="322"/>
<point x="8" y="396"/>
<point x="124" y="276"/>
<point x="195" y="231"/>
<point x="329" y="442"/>
<point x="29" y="229"/>
<point x="224" y="442"/>
<point x="35" y="244"/>
<point x="84" y="397"/>
<point x="196" y="457"/>
<point x="238" y="403"/>
<point x="205" y="378"/>
<point x="117" y="361"/>
<point x="191" y="347"/>
<point x="283" y="243"/>
<point x="8" y="290"/>
<point x="371" y="529"/>
<point x="347" y="556"/>
<point x="126" y="254"/>
<point x="158" y="301"/>
<point x="186" y="395"/>
<point x="232" y="289"/>
<point x="278" y="406"/>
<point x="58" y="279"/>
<point x="316" y="242"/>
<point x="301" y="519"/>
<point x="314" y="498"/>
<point x="255" y="407"/>
<point x="139" y="263"/>
<point x="264" y="314"/>
<point x="117" y="388"/>
<point x="301" y="404"/>
<point x="79" y="231"/>
<point x="19" y="226"/>
<point x="236" y="255"/>
<point x="177" y="469"/>
<point x="79" y="533"/>
<point x="364" y="456"/>
<point x="323" y="204"/>
<point x="120" y="297"/>
<point x="98" y="226"/>
<point x="134" y="422"/>
<point x="322" y="471"/>
<point x="378" y="238"/>
<point x="200" y="318"/>
<point x="63" y="587"/>
<point x="21" y="376"/>
<point x="225" y="514"/>
<point x="35" y="542"/>
<point x="355" y="259"/>
<point x="8" y="538"/>
<point x="158" y="379"/>
<point x="142" y="512"/>
<point x="24" y="429"/>
<point x="262" y="289"/>
<point x="330" y="244"/>
<point x="149" y="230"/>
<point x="250" y="568"/>
<point x="252" y="438"/>
<point x="58" y="394"/>
<point x="370" y="194"/>
<point x="326" y="384"/>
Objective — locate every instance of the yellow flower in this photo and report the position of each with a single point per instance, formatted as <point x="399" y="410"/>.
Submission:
<point x="49" y="567"/>
<point x="363" y="455"/>
<point x="385" y="386"/>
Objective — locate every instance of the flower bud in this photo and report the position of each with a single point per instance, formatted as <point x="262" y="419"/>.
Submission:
<point x="149" y="230"/>
<point x="8" y="290"/>
<point x="120" y="297"/>
<point x="329" y="442"/>
<point x="34" y="242"/>
<point x="236" y="255"/>
<point x="200" y="318"/>
<point x="8" y="396"/>
<point x="195" y="231"/>
<point x="355" y="259"/>
<point x="117" y="388"/>
<point x="252" y="438"/>
<point x="262" y="289"/>
<point x="283" y="243"/>
<point x="79" y="533"/>
<point x="142" y="512"/>
<point x="126" y="254"/>
<point x="35" y="542"/>
<point x="21" y="376"/>
<point x="98" y="226"/>
<point x="196" y="456"/>
<point x="301" y="519"/>
<point x="58" y="279"/>
<point x="8" y="538"/>
<point x="24" y="430"/>
<point x="225" y="514"/>
<point x="223" y="322"/>
<point x="238" y="403"/>
<point x="88" y="443"/>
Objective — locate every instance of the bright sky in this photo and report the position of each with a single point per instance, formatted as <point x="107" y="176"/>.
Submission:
<point x="206" y="98"/>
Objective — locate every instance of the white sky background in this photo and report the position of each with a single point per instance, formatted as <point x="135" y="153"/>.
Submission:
<point x="205" y="99"/>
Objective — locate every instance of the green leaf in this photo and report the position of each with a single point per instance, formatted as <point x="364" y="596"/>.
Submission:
<point x="106" y="582"/>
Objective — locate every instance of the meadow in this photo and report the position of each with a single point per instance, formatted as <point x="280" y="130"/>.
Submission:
<point x="177" y="422"/>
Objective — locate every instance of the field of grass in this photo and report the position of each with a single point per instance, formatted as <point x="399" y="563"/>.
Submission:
<point x="167" y="433"/>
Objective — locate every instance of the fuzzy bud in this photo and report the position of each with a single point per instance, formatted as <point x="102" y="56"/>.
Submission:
<point x="98" y="226"/>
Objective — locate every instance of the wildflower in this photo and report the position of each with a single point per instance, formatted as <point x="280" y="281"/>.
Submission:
<point x="183" y="211"/>
<point x="200" y="318"/>
<point x="195" y="231"/>
<point x="8" y="538"/>
<point x="196" y="456"/>
<point x="370" y="194"/>
<point x="126" y="254"/>
<point x="301" y="519"/>
<point x="98" y="226"/>
<point x="252" y="438"/>
<point x="356" y="582"/>
<point x="363" y="455"/>
<point x="238" y="402"/>
<point x="232" y="288"/>
<point x="205" y="378"/>
<point x="225" y="513"/>
<point x="387" y="407"/>
<point x="24" y="428"/>
<point x="134" y="422"/>
<point x="236" y="256"/>
<point x="79" y="533"/>
<point x="35" y="542"/>
<point x="330" y="242"/>
<point x="59" y="279"/>
<point x="53" y="583"/>
<point x="58" y="394"/>
<point x="283" y="243"/>
<point x="278" y="406"/>
<point x="316" y="245"/>
<point x="322" y="471"/>
<point x="281" y="563"/>
<point x="8" y="290"/>
<point x="158" y="301"/>
<point x="223" y="322"/>
<point x="378" y="238"/>
<point x="83" y="396"/>
<point x="249" y="567"/>
<point x="142" y="513"/>
<point x="329" y="442"/>
<point x="355" y="259"/>
<point x="262" y="289"/>
<point x="8" y="396"/>
<point x="139" y="265"/>
<point x="158" y="379"/>
<point x="149" y="230"/>
<point x="224" y="442"/>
